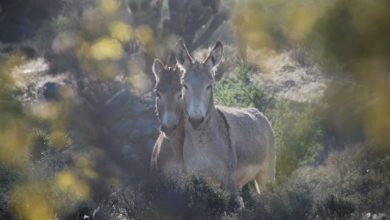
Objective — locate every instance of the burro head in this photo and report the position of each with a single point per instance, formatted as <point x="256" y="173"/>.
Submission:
<point x="198" y="82"/>
<point x="168" y="97"/>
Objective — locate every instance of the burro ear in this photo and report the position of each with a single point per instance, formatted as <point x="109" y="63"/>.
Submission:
<point x="182" y="56"/>
<point x="171" y="59"/>
<point x="215" y="56"/>
<point x="158" y="68"/>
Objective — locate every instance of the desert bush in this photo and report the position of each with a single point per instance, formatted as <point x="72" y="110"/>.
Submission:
<point x="361" y="184"/>
<point x="158" y="198"/>
<point x="298" y="135"/>
<point x="239" y="91"/>
<point x="281" y="202"/>
<point x="343" y="188"/>
<point x="334" y="208"/>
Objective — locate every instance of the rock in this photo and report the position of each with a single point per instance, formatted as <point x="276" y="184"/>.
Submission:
<point x="124" y="104"/>
<point x="50" y="91"/>
<point x="136" y="128"/>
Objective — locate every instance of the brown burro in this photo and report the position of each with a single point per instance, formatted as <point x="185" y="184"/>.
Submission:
<point x="167" y="155"/>
<point x="229" y="146"/>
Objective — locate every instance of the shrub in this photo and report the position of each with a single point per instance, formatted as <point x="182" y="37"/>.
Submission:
<point x="350" y="185"/>
<point x="298" y="135"/>
<point x="335" y="208"/>
<point x="157" y="198"/>
<point x="240" y="91"/>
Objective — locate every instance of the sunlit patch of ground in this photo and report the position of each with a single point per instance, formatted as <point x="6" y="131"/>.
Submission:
<point x="283" y="76"/>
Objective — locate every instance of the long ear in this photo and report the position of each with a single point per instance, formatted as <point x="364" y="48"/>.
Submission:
<point x="158" y="68"/>
<point x="215" y="56"/>
<point x="183" y="58"/>
<point x="171" y="59"/>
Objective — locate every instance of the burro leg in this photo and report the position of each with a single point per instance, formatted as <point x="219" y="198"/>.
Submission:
<point x="231" y="187"/>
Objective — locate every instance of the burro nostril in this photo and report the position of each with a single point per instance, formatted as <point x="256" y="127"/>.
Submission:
<point x="196" y="122"/>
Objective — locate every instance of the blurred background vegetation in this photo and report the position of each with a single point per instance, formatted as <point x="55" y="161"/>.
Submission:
<point x="77" y="120"/>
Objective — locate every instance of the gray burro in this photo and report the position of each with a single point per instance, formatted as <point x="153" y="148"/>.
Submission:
<point x="167" y="155"/>
<point x="229" y="146"/>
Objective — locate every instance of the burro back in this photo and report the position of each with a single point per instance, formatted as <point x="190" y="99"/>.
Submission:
<point x="231" y="146"/>
<point x="167" y="155"/>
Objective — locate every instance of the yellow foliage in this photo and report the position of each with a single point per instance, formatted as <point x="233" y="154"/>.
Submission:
<point x="59" y="139"/>
<point x="32" y="202"/>
<point x="6" y="67"/>
<point x="373" y="73"/>
<point x="15" y="143"/>
<point x="257" y="39"/>
<point x="86" y="165"/>
<point x="378" y="119"/>
<point x="109" y="7"/>
<point x="250" y="26"/>
<point x="69" y="183"/>
<point x="106" y="49"/>
<point x="145" y="37"/>
<point x="299" y="22"/>
<point x="46" y="111"/>
<point x="90" y="173"/>
<point x="261" y="23"/>
<point x="121" y="31"/>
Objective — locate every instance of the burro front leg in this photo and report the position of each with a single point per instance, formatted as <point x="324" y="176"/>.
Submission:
<point x="232" y="188"/>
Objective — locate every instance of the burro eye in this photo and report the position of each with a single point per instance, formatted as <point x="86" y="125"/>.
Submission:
<point x="209" y="87"/>
<point x="185" y="86"/>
